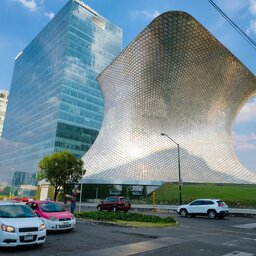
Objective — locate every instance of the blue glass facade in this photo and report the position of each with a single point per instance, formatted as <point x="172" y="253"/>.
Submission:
<point x="55" y="102"/>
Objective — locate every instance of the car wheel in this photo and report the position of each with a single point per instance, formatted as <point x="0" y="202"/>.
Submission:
<point x="114" y="209"/>
<point x="212" y="214"/>
<point x="99" y="208"/>
<point x="183" y="213"/>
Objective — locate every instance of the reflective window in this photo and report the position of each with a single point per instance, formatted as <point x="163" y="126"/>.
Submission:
<point x="55" y="101"/>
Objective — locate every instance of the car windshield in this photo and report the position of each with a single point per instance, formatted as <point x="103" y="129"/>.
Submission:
<point x="52" y="207"/>
<point x="16" y="211"/>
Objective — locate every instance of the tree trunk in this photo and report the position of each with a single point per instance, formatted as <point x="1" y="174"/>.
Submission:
<point x="65" y="193"/>
<point x="56" y="191"/>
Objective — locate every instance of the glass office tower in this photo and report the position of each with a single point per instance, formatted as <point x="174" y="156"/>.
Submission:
<point x="55" y="102"/>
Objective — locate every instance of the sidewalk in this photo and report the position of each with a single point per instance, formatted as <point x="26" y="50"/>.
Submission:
<point x="237" y="212"/>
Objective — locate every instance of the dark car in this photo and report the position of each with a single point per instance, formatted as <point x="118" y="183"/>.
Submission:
<point x="115" y="203"/>
<point x="21" y="199"/>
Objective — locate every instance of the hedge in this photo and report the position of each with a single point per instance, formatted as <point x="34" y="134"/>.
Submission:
<point x="115" y="216"/>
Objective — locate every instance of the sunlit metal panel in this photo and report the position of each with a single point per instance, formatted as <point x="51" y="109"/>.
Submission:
<point x="174" y="78"/>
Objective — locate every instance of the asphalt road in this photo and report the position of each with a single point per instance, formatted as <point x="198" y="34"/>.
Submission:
<point x="193" y="236"/>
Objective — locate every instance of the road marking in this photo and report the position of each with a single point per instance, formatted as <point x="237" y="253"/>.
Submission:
<point x="134" y="248"/>
<point x="232" y="243"/>
<point x="247" y="226"/>
<point x="236" y="253"/>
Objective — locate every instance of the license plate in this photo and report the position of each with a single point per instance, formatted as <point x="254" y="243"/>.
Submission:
<point x="28" y="238"/>
<point x="65" y="226"/>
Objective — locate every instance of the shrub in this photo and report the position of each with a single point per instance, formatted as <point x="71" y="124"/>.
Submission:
<point x="115" y="216"/>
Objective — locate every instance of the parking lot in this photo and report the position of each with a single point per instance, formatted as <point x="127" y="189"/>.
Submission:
<point x="193" y="236"/>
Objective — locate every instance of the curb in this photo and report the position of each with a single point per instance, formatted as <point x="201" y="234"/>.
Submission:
<point x="165" y="209"/>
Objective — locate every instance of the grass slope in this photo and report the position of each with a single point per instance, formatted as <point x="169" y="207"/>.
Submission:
<point x="234" y="195"/>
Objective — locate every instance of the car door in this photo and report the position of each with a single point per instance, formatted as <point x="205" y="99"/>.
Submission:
<point x="195" y="206"/>
<point x="208" y="205"/>
<point x="125" y="202"/>
<point x="106" y="204"/>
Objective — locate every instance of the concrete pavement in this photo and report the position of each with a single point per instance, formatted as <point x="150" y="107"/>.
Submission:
<point x="193" y="236"/>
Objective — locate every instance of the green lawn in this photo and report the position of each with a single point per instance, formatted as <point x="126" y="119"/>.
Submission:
<point x="233" y="194"/>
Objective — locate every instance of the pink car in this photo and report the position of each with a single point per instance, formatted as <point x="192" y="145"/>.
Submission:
<point x="53" y="215"/>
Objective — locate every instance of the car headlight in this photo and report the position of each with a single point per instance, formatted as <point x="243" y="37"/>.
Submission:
<point x="6" y="228"/>
<point x="42" y="227"/>
<point x="53" y="219"/>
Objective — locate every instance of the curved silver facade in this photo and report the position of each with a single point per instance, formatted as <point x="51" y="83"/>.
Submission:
<point x="174" y="78"/>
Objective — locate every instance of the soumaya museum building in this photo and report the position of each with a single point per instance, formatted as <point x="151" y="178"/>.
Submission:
<point x="55" y="101"/>
<point x="175" y="79"/>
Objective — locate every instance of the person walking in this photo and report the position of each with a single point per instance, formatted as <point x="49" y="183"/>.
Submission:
<point x="73" y="201"/>
<point x="72" y="198"/>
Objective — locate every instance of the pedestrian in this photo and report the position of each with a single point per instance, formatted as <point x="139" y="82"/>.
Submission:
<point x="73" y="200"/>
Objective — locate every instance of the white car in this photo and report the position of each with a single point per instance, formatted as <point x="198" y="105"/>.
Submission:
<point x="20" y="225"/>
<point x="207" y="207"/>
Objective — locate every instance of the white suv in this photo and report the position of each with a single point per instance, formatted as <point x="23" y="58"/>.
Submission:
<point x="210" y="207"/>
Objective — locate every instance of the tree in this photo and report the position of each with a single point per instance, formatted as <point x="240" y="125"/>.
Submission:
<point x="61" y="169"/>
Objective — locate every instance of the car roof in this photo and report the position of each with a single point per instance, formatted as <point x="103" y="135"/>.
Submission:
<point x="116" y="196"/>
<point x="204" y="199"/>
<point x="9" y="202"/>
<point x="42" y="201"/>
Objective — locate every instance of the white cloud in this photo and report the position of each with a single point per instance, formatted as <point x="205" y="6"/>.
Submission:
<point x="232" y="7"/>
<point x="235" y="8"/>
<point x="30" y="4"/>
<point x="247" y="113"/>
<point x="218" y="24"/>
<point x="252" y="6"/>
<point x="252" y="28"/>
<point x="36" y="5"/>
<point x="244" y="142"/>
<point x="50" y="15"/>
<point x="150" y="15"/>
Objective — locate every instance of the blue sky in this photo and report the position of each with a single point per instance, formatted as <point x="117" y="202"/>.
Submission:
<point x="22" y="20"/>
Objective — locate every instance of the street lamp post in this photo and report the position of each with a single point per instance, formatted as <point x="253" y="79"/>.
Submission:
<point x="81" y="191"/>
<point x="180" y="181"/>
